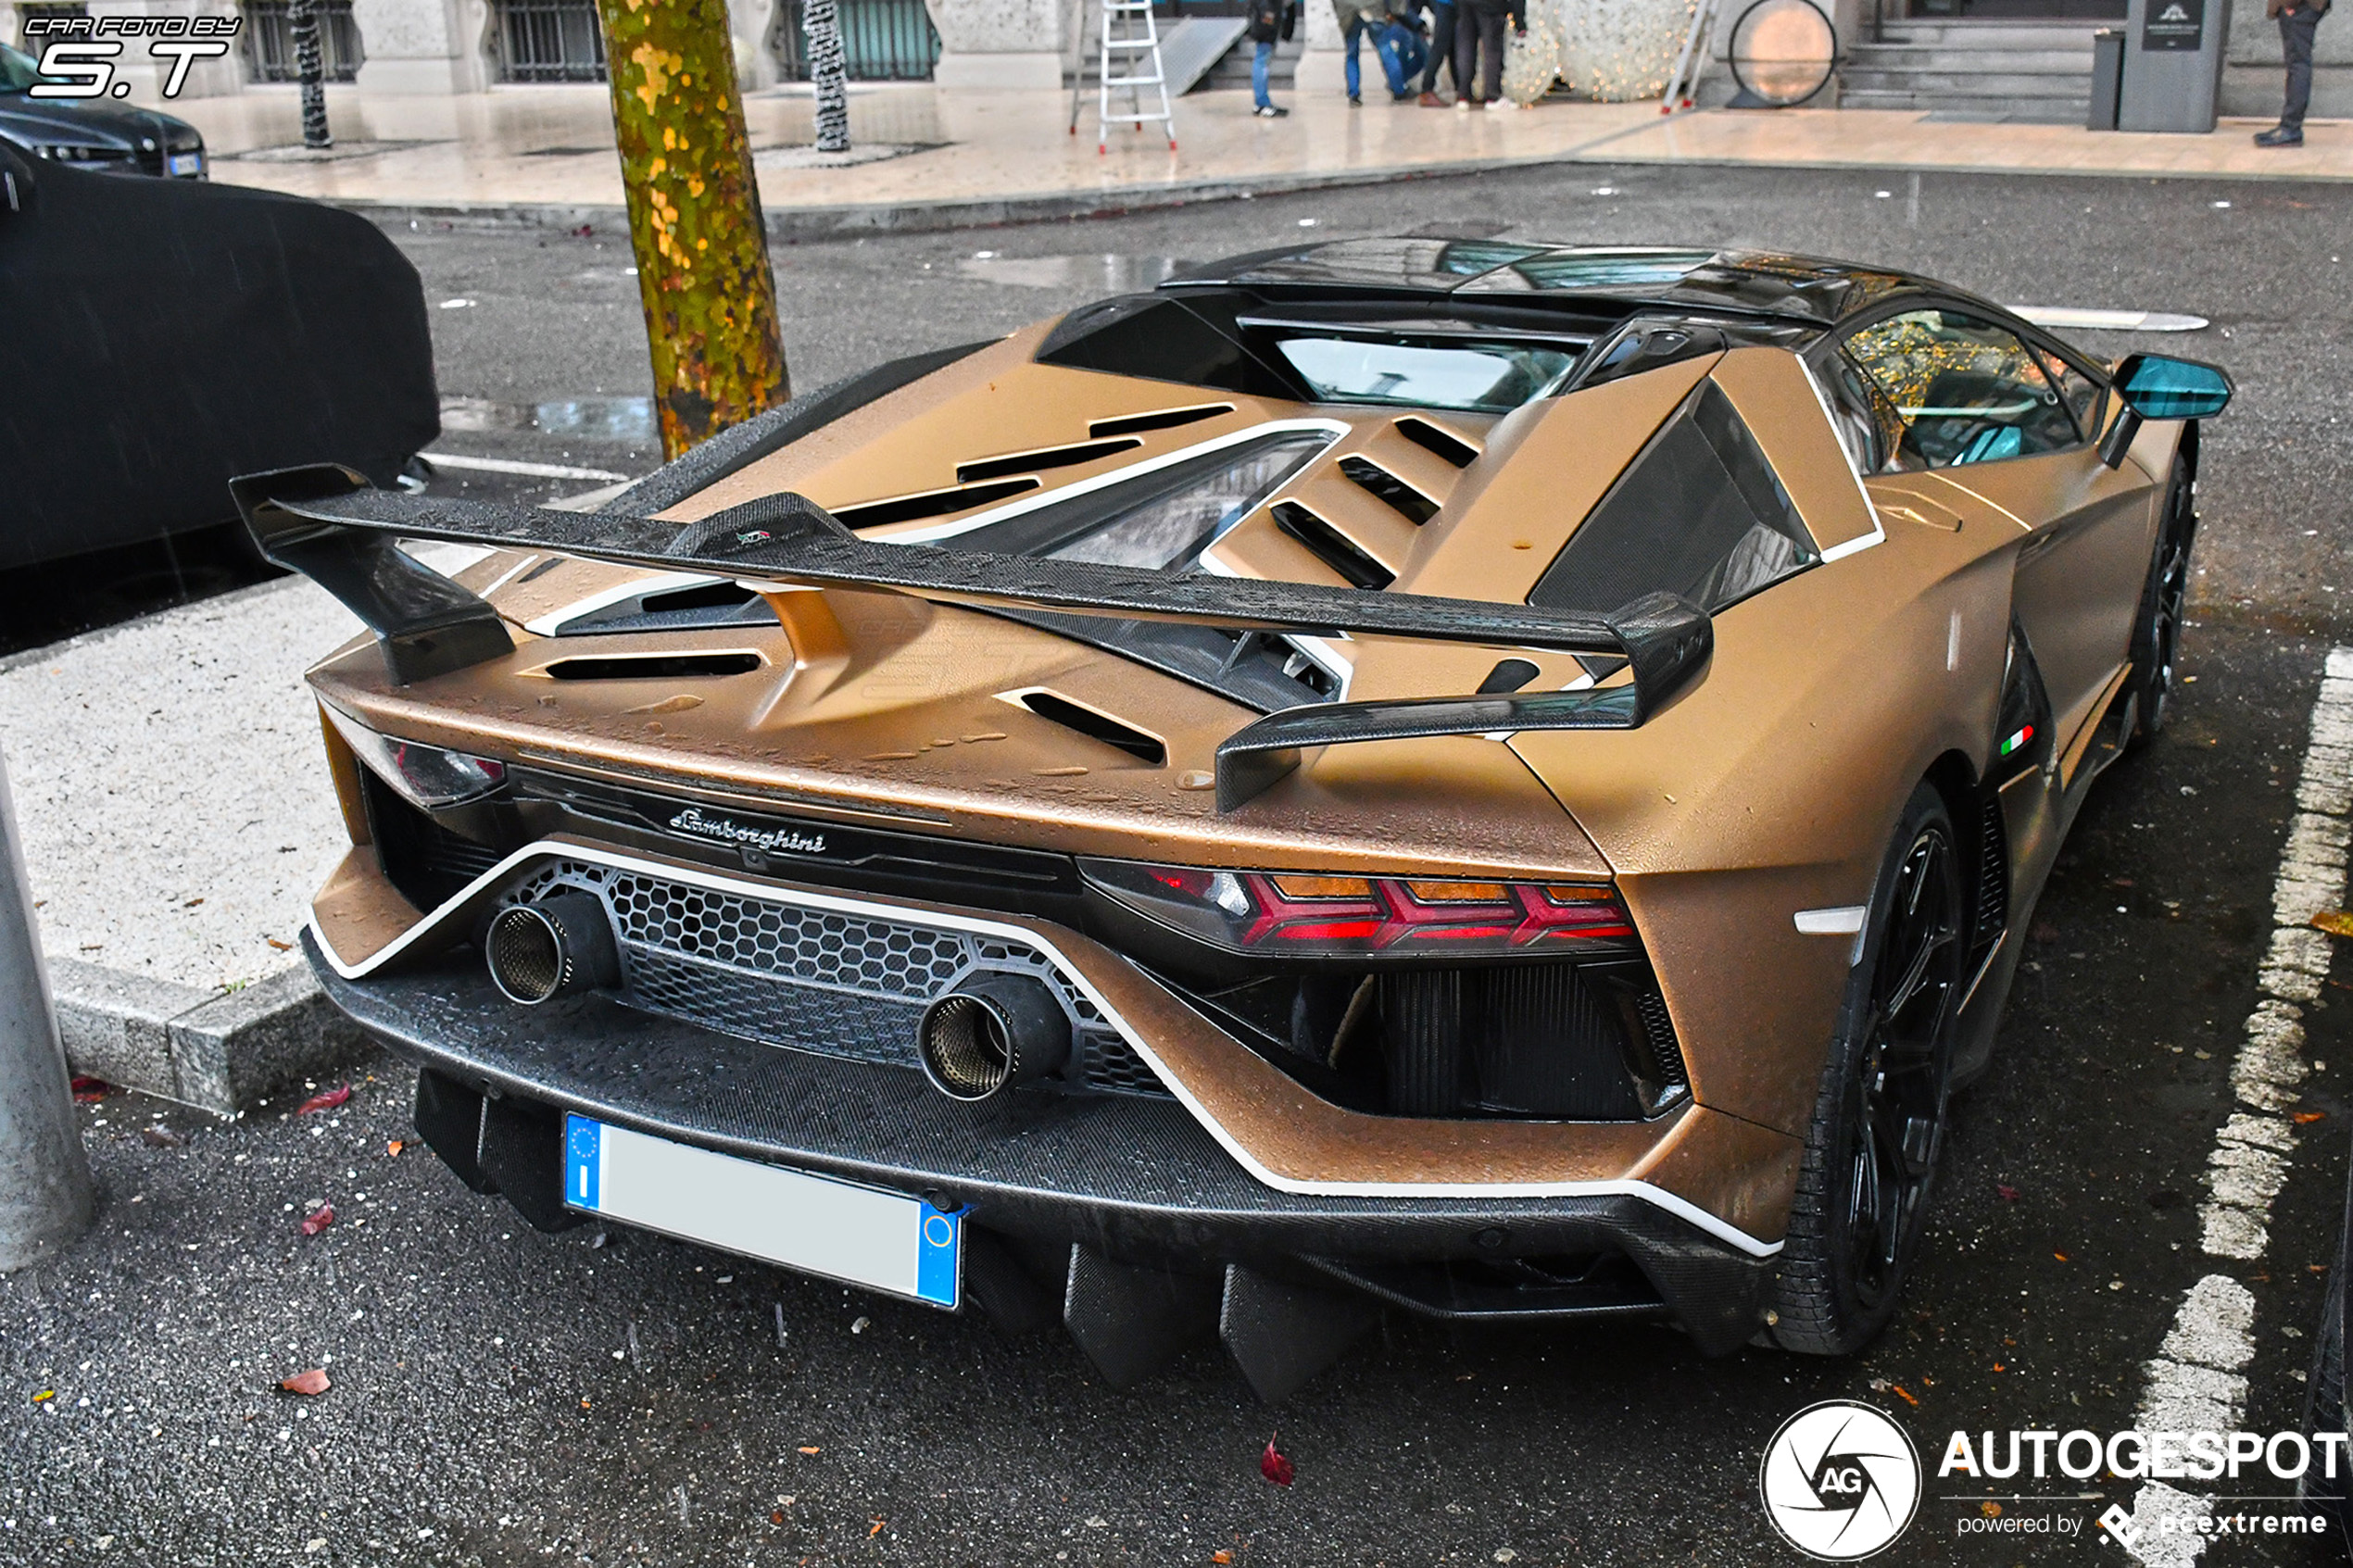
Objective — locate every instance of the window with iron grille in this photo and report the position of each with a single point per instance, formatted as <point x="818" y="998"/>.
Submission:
<point x="28" y="9"/>
<point x="549" y="40"/>
<point x="884" y="40"/>
<point x="270" y="45"/>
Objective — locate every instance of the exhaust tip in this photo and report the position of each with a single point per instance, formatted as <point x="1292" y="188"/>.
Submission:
<point x="990" y="1033"/>
<point x="555" y="948"/>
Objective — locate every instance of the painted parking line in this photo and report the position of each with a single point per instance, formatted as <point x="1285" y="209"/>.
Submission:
<point x="2197" y="1381"/>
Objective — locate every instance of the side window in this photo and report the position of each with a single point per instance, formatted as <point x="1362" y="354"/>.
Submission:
<point x="1866" y="423"/>
<point x="1966" y="391"/>
<point x="1699" y="512"/>
<point x="2078" y="391"/>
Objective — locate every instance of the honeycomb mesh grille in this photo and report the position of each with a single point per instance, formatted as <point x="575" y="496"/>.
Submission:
<point x="812" y="980"/>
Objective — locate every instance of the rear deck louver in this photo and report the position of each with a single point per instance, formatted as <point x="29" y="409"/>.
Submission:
<point x="654" y="667"/>
<point x="932" y="503"/>
<point x="1331" y="547"/>
<point x="1038" y="462"/>
<point x="1430" y="438"/>
<point x="1097" y="726"/>
<point x="1399" y="496"/>
<point x="1160" y="418"/>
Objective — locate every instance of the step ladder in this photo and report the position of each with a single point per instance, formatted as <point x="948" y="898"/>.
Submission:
<point x="1130" y="58"/>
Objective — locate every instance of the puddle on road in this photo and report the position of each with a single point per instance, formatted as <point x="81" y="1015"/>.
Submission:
<point x="1100" y="274"/>
<point x="626" y="420"/>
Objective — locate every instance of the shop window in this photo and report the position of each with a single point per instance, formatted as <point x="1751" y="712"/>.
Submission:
<point x="548" y="40"/>
<point x="270" y="45"/>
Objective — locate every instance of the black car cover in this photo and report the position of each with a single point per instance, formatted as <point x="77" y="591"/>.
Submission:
<point x="158" y="336"/>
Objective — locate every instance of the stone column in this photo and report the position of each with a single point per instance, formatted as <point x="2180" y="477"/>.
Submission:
<point x="415" y="49"/>
<point x="1001" y="43"/>
<point x="752" y="21"/>
<point x="1322" y="48"/>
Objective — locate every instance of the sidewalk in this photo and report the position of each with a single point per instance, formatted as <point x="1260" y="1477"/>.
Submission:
<point x="928" y="156"/>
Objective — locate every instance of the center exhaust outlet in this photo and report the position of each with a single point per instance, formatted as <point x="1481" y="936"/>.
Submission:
<point x="558" y="946"/>
<point x="990" y="1033"/>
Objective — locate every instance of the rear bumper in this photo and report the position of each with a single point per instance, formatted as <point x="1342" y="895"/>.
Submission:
<point x="1136" y="1179"/>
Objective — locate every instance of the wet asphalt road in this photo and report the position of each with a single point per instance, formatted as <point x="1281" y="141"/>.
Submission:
<point x="532" y="1399"/>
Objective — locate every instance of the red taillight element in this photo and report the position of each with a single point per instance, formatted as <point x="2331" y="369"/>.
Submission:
<point x="1310" y="914"/>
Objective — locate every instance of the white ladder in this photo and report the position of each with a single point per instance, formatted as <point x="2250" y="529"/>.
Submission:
<point x="1130" y="58"/>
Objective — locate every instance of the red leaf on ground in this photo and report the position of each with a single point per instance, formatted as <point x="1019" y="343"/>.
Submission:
<point x="2305" y="1118"/>
<point x="90" y="1091"/>
<point x="311" y="1382"/>
<point x="395" y="1145"/>
<point x="318" y="1219"/>
<point x="1274" y="1467"/>
<point x="2007" y="1193"/>
<point x="325" y="1099"/>
<point x="282" y="946"/>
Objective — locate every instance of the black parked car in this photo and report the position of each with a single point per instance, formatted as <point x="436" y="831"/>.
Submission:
<point x="93" y="133"/>
<point x="165" y="334"/>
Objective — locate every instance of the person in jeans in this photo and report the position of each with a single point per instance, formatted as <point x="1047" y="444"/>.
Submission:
<point x="1441" y="52"/>
<point x="1357" y="18"/>
<point x="1270" y="21"/>
<point x="2300" y="19"/>
<point x="1479" y="39"/>
<point x="1402" y="55"/>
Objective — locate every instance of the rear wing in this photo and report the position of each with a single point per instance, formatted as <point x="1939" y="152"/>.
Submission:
<point x="328" y="524"/>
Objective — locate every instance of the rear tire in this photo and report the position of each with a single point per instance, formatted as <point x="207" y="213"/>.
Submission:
<point x="2157" y="629"/>
<point x="1879" y="1119"/>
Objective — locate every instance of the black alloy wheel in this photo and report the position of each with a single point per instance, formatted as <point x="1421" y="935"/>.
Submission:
<point x="2156" y="631"/>
<point x="1879" y="1122"/>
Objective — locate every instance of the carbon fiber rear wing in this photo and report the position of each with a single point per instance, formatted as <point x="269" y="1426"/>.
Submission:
<point x="326" y="522"/>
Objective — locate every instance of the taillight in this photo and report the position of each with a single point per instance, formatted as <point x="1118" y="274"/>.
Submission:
<point x="1313" y="915"/>
<point x="426" y="775"/>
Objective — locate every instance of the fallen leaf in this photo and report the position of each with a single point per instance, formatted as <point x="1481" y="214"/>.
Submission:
<point x="45" y="1394"/>
<point x="583" y="1404"/>
<point x="311" y="1382"/>
<point x="1990" y="1509"/>
<point x="812" y="1451"/>
<point x="1904" y="1394"/>
<point x="325" y="1099"/>
<point x="90" y="1091"/>
<point x="1274" y="1467"/>
<point x="161" y="1137"/>
<point x="2336" y="923"/>
<point x="318" y="1219"/>
<point x="2007" y="1193"/>
<point x="395" y="1145"/>
<point x="877" y="1527"/>
<point x="2060" y="1256"/>
<point x="282" y="946"/>
<point x="2305" y="1118"/>
<point x="1221" y="1555"/>
<point x="775" y="1516"/>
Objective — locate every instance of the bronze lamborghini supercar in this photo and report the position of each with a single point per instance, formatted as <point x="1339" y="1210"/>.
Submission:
<point x="1483" y="779"/>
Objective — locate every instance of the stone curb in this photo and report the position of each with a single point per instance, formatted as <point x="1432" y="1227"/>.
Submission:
<point x="789" y="224"/>
<point x="219" y="1052"/>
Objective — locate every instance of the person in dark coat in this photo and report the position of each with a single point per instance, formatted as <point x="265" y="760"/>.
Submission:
<point x="1442" y="51"/>
<point x="2299" y="20"/>
<point x="1478" y="31"/>
<point x="1271" y="21"/>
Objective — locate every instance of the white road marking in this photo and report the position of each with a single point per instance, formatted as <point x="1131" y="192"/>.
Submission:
<point x="2109" y="320"/>
<point x="2197" y="1381"/>
<point x="507" y="465"/>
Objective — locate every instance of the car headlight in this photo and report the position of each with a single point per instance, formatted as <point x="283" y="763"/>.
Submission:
<point x="68" y="152"/>
<point x="424" y="775"/>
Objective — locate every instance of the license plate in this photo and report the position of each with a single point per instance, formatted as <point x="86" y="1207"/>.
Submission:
<point x="884" y="1240"/>
<point x="187" y="163"/>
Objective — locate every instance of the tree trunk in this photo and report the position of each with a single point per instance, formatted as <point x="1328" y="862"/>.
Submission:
<point x="311" y="65"/>
<point x="693" y="217"/>
<point x="828" y="73"/>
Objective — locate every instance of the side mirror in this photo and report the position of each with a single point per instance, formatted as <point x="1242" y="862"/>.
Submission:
<point x="2153" y="387"/>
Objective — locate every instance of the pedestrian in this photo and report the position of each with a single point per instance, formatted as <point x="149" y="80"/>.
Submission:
<point x="1478" y="31"/>
<point x="1441" y="52"/>
<point x="1357" y="18"/>
<point x="1401" y="51"/>
<point x="2300" y="19"/>
<point x="1270" y="21"/>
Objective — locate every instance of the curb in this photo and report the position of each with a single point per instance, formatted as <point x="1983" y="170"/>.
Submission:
<point x="794" y="224"/>
<point x="218" y="1052"/>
